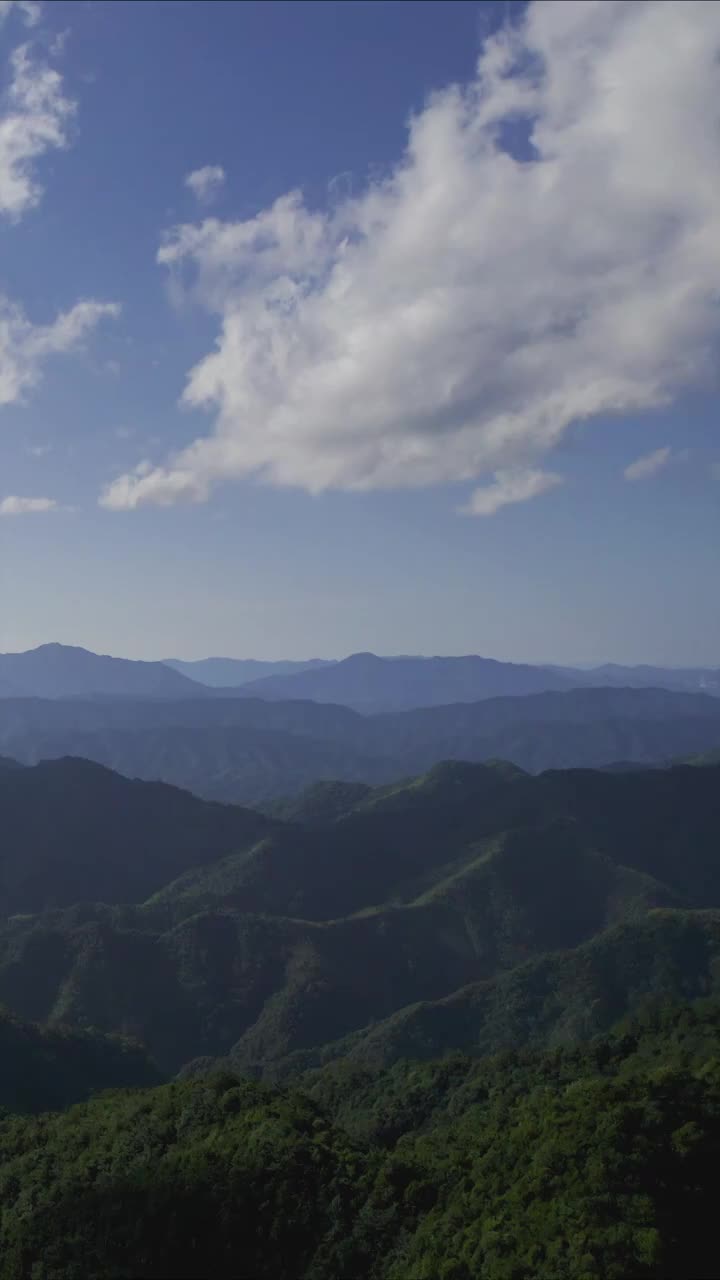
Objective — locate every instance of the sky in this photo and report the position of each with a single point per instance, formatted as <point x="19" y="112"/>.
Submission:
<point x="328" y="327"/>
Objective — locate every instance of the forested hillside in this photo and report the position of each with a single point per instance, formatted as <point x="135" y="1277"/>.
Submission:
<point x="597" y="1163"/>
<point x="476" y="906"/>
<point x="332" y="986"/>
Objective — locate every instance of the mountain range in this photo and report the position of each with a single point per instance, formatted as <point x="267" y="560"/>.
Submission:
<point x="371" y="684"/>
<point x="363" y="681"/>
<point x="473" y="907"/>
<point x="251" y="751"/>
<point x="463" y="1024"/>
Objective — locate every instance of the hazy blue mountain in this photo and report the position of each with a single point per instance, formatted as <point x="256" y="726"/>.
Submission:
<point x="65" y="671"/>
<point x="27" y="719"/>
<point x="250" y="751"/>
<point x="228" y="672"/>
<point x="582" y="727"/>
<point x="372" y="684"/>
<point x="364" y="682"/>
<point x="235" y="765"/>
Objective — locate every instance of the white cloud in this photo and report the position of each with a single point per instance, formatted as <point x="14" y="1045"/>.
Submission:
<point x="508" y="487"/>
<point x="648" y="464"/>
<point x="34" y="114"/>
<point x="33" y="119"/>
<point x="456" y="317"/>
<point x="30" y="10"/>
<point x="23" y="506"/>
<point x="39" y="450"/>
<point x="24" y="346"/>
<point x="205" y="183"/>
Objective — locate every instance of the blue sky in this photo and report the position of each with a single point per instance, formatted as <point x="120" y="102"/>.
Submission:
<point x="413" y="389"/>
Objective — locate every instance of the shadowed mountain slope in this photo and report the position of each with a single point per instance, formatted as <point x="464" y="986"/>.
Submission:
<point x="73" y="830"/>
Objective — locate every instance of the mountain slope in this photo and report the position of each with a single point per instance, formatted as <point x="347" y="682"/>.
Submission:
<point x="598" y="1164"/>
<point x="233" y="765"/>
<point x="64" y="671"/>
<point x="309" y="934"/>
<point x="261" y="987"/>
<point x="401" y="840"/>
<point x="46" y="1068"/>
<point x="73" y="830"/>
<point x="370" y="684"/>
<point x="558" y="999"/>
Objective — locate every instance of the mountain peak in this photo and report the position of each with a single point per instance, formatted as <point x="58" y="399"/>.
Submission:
<point x="56" y="670"/>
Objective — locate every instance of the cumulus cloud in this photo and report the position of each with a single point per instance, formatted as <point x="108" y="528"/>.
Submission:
<point x="648" y="464"/>
<point x="205" y="183"/>
<point x="508" y="487"/>
<point x="546" y="250"/>
<point x="23" y="506"/>
<point x="34" y="116"/>
<point x="25" y="346"/>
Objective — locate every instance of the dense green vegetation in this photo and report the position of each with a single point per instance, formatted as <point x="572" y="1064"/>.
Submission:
<point x="463" y="1026"/>
<point x="45" y="1068"/>
<point x="594" y="1164"/>
<point x="476" y="907"/>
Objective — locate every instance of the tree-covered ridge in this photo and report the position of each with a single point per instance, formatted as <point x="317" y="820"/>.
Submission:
<point x="594" y="1164"/>
<point x="474" y="907"/>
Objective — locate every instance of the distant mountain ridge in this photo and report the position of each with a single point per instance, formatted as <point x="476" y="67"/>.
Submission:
<point x="66" y="671"/>
<point x="364" y="682"/>
<point x="250" y="751"/>
<point x="372" y="684"/>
